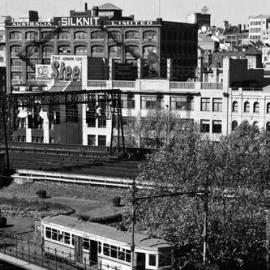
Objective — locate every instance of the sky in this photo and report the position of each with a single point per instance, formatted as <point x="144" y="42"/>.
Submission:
<point x="235" y="11"/>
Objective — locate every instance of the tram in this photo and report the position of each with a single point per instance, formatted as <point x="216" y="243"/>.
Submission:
<point x="105" y="247"/>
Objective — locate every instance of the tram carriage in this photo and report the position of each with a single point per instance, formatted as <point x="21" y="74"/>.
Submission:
<point x="93" y="244"/>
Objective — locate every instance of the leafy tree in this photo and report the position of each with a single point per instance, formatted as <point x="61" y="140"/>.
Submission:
<point x="235" y="171"/>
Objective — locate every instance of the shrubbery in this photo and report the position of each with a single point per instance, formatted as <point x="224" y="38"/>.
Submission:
<point x="41" y="193"/>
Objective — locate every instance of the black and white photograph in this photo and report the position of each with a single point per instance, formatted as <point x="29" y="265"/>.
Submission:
<point x="134" y="135"/>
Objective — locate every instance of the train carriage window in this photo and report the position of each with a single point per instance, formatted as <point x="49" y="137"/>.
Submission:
<point x="73" y="240"/>
<point x="114" y="251"/>
<point x="164" y="259"/>
<point x="128" y="256"/>
<point x="121" y="254"/>
<point x="48" y="232"/>
<point x="86" y="243"/>
<point x="106" y="249"/>
<point x="99" y="247"/>
<point x="54" y="234"/>
<point x="59" y="236"/>
<point x="152" y="259"/>
<point x="66" y="238"/>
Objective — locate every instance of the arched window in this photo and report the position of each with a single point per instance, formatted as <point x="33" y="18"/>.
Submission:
<point x="150" y="36"/>
<point x="15" y="50"/>
<point x="97" y="51"/>
<point x="81" y="50"/>
<point x="15" y="35"/>
<point x="32" y="51"/>
<point x="268" y="126"/>
<point x="47" y="51"/>
<point x="256" y="107"/>
<point x="132" y="35"/>
<point x="64" y="35"/>
<point x="235" y="106"/>
<point x="64" y="49"/>
<point x="97" y="35"/>
<point x="31" y="35"/>
<point x="114" y="51"/>
<point x="234" y="125"/>
<point x="132" y="52"/>
<point x="255" y="124"/>
<point x="115" y="35"/>
<point x="147" y="50"/>
<point x="246" y="107"/>
<point x="80" y="35"/>
<point x="268" y="107"/>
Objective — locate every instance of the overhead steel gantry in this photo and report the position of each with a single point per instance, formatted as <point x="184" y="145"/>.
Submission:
<point x="109" y="97"/>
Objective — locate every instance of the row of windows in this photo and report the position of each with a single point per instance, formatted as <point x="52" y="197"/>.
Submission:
<point x="216" y="104"/>
<point x="108" y="250"/>
<point x="255" y="108"/>
<point x="97" y="35"/>
<point x="216" y="126"/>
<point x="82" y="50"/>
<point x="255" y="123"/>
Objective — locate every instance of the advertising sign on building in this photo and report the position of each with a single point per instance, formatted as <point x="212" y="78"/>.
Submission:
<point x="43" y="72"/>
<point x="66" y="67"/>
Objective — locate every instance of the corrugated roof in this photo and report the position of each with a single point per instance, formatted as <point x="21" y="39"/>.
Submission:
<point x="108" y="6"/>
<point x="96" y="229"/>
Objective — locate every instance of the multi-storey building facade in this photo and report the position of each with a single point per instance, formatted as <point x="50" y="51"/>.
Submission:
<point x="216" y="107"/>
<point x="258" y="25"/>
<point x="104" y="34"/>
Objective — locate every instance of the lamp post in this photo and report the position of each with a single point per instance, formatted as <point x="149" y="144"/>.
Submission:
<point x="137" y="200"/>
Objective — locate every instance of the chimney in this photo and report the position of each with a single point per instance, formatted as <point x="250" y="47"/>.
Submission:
<point x="95" y="11"/>
<point x="85" y="7"/>
<point x="239" y="28"/>
<point x="226" y="24"/>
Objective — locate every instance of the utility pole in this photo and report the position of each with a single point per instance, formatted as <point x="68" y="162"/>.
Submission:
<point x="5" y="131"/>
<point x="137" y="200"/>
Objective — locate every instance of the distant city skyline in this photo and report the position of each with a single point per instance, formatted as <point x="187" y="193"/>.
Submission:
<point x="173" y="10"/>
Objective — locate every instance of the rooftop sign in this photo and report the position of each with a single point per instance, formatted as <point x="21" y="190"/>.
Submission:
<point x="81" y="22"/>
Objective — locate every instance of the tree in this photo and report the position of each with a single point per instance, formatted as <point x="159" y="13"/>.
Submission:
<point x="235" y="171"/>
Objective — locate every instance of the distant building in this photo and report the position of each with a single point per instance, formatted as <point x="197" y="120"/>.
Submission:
<point x="258" y="27"/>
<point x="102" y="33"/>
<point x="235" y="35"/>
<point x="201" y="19"/>
<point x="266" y="57"/>
<point x="252" y="54"/>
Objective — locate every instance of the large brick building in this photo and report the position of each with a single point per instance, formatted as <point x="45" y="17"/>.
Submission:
<point x="104" y="33"/>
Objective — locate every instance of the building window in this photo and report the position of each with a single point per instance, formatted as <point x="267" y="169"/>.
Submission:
<point x="217" y="104"/>
<point x="101" y="140"/>
<point x="128" y="101"/>
<point x="64" y="35"/>
<point x="234" y="125"/>
<point x="268" y="107"/>
<point x="91" y="117"/>
<point x="115" y="35"/>
<point x="97" y="35"/>
<point x="47" y="51"/>
<point x="256" y="107"/>
<point x="115" y="51"/>
<point x="148" y="102"/>
<point x="205" y="126"/>
<point x="91" y="140"/>
<point x="235" y="106"/>
<point x="182" y="103"/>
<point x="132" y="35"/>
<point x="205" y="104"/>
<point x="152" y="259"/>
<point x="101" y="122"/>
<point x="246" y="107"/>
<point x="268" y="126"/>
<point x="147" y="50"/>
<point x="80" y="35"/>
<point x="31" y="35"/>
<point x="15" y="35"/>
<point x="150" y="36"/>
<point x="132" y="52"/>
<point x="63" y="50"/>
<point x="97" y="51"/>
<point x="80" y="50"/>
<point x="216" y="126"/>
<point x="15" y="50"/>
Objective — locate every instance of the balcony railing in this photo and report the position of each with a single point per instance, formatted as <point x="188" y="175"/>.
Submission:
<point x="124" y="84"/>
<point x="211" y="85"/>
<point x="182" y="85"/>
